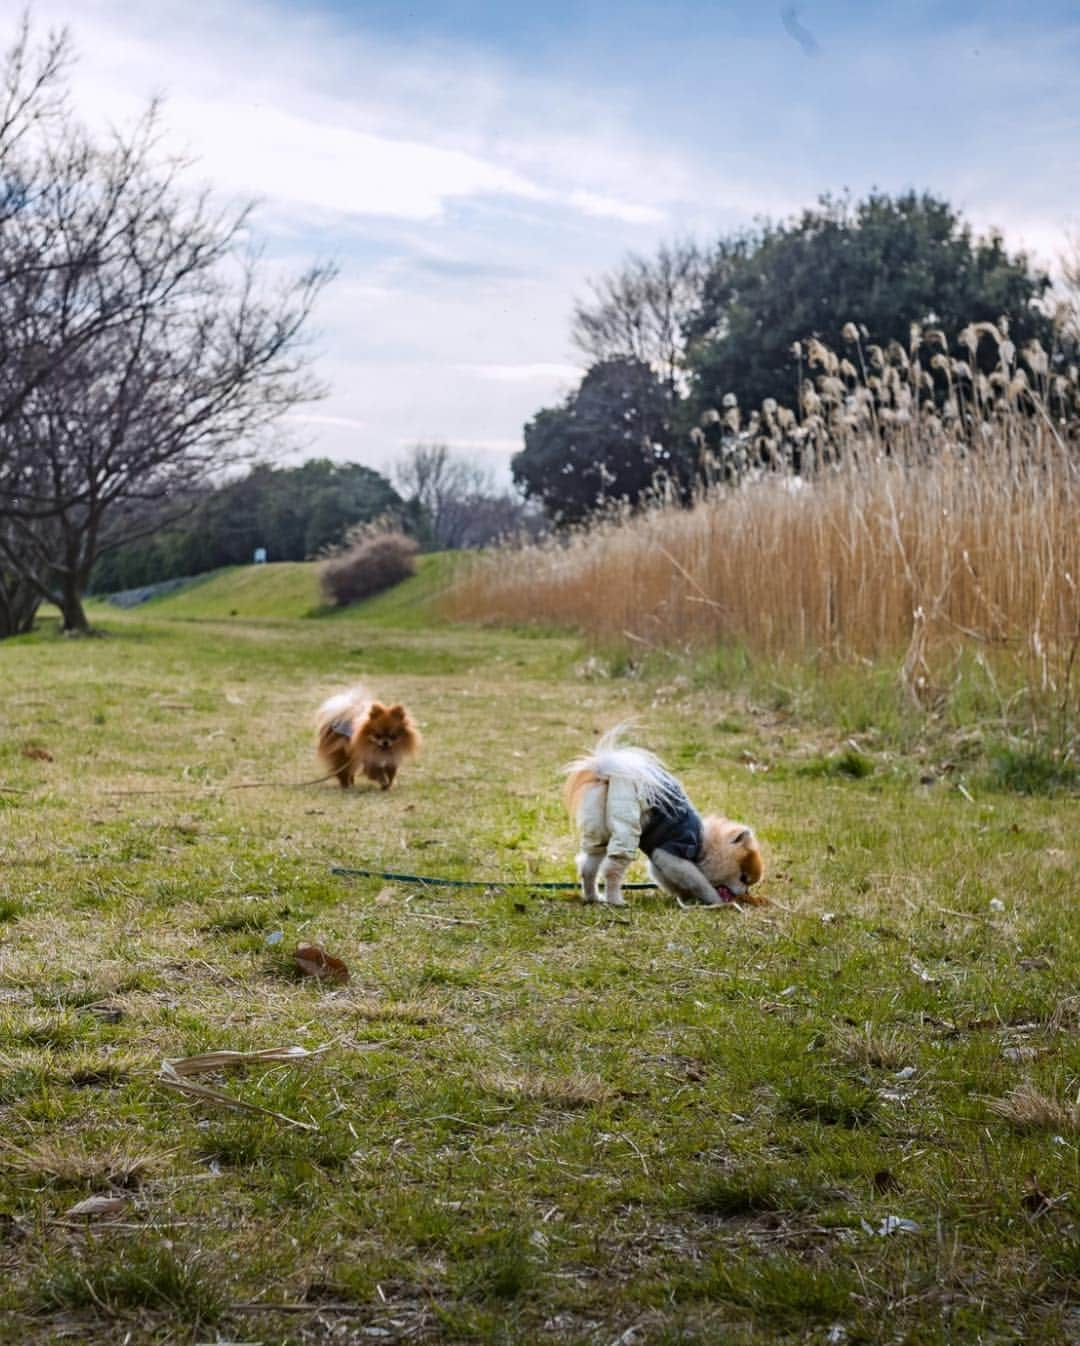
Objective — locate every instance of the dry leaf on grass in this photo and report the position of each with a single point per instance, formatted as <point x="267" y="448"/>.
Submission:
<point x="174" y="1072"/>
<point x="886" y="1181"/>
<point x="314" y="961"/>
<point x="229" y="1060"/>
<point x="12" y="1229"/>
<point x="169" y="1079"/>
<point x="99" y="1207"/>
<point x="37" y="754"/>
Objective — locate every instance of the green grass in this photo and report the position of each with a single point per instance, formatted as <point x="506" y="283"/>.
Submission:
<point x="536" y="1121"/>
<point x="287" y="590"/>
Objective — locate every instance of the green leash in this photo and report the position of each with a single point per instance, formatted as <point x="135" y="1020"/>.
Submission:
<point x="426" y="882"/>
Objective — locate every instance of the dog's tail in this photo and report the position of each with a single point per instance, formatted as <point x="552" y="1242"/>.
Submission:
<point x="655" y="784"/>
<point x="341" y="707"/>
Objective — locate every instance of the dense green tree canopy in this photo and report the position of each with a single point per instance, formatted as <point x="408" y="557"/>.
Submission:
<point x="293" y="512"/>
<point x="882" y="263"/>
<point x="606" y="442"/>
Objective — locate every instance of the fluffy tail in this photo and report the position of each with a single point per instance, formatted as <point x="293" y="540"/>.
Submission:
<point x="654" y="783"/>
<point x="342" y="706"/>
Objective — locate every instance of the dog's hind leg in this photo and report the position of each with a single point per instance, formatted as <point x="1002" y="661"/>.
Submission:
<point x="611" y="876"/>
<point x="622" y="822"/>
<point x="594" y="839"/>
<point x="339" y="762"/>
<point x="588" y="865"/>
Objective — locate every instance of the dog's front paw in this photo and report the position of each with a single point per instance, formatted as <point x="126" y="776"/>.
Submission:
<point x="617" y="901"/>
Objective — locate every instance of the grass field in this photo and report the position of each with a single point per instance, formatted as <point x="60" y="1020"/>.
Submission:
<point x="849" y="1117"/>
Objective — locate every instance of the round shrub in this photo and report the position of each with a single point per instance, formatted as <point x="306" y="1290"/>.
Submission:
<point x="368" y="566"/>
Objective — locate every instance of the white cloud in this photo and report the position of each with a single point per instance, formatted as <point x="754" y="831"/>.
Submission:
<point x="534" y="373"/>
<point x="282" y="157"/>
<point x="468" y="196"/>
<point x="324" y="121"/>
<point x="605" y="208"/>
<point x="306" y="418"/>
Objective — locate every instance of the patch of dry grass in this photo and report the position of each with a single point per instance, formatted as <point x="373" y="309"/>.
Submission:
<point x="558" y="1091"/>
<point x="71" y="1163"/>
<point x="868" y="1047"/>
<point x="1027" y="1107"/>
<point x="393" y="1011"/>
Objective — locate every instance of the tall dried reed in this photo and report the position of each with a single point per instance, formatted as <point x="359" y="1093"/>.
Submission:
<point x="925" y="527"/>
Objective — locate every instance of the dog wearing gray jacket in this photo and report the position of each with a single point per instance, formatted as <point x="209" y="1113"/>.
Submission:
<point x="624" y="799"/>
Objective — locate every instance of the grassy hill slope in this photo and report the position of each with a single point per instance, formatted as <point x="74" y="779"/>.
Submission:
<point x="289" y="590"/>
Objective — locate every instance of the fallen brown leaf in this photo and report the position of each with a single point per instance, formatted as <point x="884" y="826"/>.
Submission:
<point x="37" y="754"/>
<point x="314" y="961"/>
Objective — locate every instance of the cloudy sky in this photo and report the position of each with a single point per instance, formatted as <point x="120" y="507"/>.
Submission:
<point x="470" y="165"/>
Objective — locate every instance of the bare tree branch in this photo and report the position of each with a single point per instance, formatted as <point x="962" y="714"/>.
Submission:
<point x="140" y="350"/>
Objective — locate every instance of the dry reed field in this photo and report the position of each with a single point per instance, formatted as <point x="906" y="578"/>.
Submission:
<point x="919" y="529"/>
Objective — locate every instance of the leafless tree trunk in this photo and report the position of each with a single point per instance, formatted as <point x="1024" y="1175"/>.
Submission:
<point x="459" y="500"/>
<point x="138" y="351"/>
<point x="640" y="311"/>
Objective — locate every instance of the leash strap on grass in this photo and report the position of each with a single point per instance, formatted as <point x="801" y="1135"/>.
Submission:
<point x="428" y="882"/>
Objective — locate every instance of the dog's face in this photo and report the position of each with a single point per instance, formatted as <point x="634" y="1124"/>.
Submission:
<point x="730" y="856"/>
<point x="388" y="729"/>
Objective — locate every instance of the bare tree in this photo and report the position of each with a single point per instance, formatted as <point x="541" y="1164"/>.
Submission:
<point x="138" y="351"/>
<point x="31" y="95"/>
<point x="1069" y="308"/>
<point x="640" y="311"/>
<point x="31" y="91"/>
<point x="459" y="500"/>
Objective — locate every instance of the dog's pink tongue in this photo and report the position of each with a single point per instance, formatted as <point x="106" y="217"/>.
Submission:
<point x="725" y="894"/>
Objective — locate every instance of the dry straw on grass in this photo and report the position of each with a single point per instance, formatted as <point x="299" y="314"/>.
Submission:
<point x="864" y="1047"/>
<point x="62" y="1161"/>
<point x="925" y="524"/>
<point x="174" y="1072"/>
<point x="1029" y="1109"/>
<point x="560" y="1091"/>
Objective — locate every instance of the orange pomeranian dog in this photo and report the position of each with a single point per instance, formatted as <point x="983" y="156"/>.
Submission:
<point x="360" y="736"/>
<point x="624" y="799"/>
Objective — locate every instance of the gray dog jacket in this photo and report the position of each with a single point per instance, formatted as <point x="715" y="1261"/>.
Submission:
<point x="673" y="825"/>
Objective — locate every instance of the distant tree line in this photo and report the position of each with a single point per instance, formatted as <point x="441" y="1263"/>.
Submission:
<point x="674" y="339"/>
<point x="294" y="513"/>
<point x="441" y="500"/>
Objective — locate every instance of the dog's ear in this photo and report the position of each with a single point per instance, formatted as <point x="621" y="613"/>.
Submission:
<point x="396" y="712"/>
<point x="376" y="710"/>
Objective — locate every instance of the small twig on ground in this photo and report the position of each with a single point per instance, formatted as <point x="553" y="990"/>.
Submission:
<point x="637" y="1151"/>
<point x="258" y="1306"/>
<point x="442" y="920"/>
